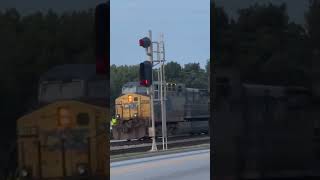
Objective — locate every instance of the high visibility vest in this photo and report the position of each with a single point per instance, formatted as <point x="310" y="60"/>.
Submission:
<point x="113" y="121"/>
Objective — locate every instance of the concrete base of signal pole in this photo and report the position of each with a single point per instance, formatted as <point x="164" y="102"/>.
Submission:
<point x="154" y="143"/>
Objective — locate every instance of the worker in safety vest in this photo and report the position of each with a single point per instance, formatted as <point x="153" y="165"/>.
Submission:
<point x="113" y="121"/>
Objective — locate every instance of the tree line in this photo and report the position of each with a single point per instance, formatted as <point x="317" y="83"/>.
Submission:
<point x="29" y="46"/>
<point x="265" y="46"/>
<point x="262" y="43"/>
<point x="191" y="74"/>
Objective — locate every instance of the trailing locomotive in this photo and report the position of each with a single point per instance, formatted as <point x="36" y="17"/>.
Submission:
<point x="264" y="131"/>
<point x="187" y="111"/>
<point x="66" y="135"/>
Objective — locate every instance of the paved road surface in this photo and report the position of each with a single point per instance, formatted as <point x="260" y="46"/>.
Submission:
<point x="193" y="165"/>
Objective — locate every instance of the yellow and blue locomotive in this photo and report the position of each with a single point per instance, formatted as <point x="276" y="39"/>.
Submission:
<point x="187" y="111"/>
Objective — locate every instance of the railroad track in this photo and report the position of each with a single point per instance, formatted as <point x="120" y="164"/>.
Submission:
<point x="114" y="143"/>
<point x="141" y="147"/>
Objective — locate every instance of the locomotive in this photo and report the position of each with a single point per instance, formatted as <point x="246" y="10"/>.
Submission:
<point x="66" y="135"/>
<point x="264" y="131"/>
<point x="187" y="111"/>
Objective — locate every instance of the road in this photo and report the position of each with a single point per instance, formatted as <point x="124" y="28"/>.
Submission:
<point x="193" y="165"/>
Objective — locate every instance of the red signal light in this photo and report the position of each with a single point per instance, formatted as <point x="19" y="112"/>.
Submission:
<point x="145" y="73"/>
<point x="141" y="43"/>
<point x="144" y="82"/>
<point x="145" y="42"/>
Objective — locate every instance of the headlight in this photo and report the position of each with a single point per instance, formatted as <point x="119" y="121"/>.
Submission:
<point x="82" y="169"/>
<point x="24" y="173"/>
<point x="135" y="115"/>
<point x="118" y="116"/>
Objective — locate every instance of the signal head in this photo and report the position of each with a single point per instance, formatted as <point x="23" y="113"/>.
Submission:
<point x="145" y="42"/>
<point x="146" y="73"/>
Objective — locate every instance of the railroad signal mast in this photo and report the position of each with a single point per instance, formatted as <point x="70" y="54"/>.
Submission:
<point x="146" y="78"/>
<point x="102" y="13"/>
<point x="146" y="73"/>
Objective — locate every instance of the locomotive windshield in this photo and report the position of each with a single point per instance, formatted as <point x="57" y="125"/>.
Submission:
<point x="133" y="87"/>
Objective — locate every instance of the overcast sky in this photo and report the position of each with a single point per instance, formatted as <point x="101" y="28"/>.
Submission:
<point x="185" y="24"/>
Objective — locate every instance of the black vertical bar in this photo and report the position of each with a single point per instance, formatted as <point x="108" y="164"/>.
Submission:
<point x="102" y="37"/>
<point x="63" y="157"/>
<point x="39" y="160"/>
<point x="22" y="154"/>
<point x="244" y="140"/>
<point x="129" y="111"/>
<point x="89" y="157"/>
<point x="192" y="97"/>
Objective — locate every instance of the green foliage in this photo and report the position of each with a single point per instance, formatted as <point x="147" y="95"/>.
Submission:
<point x="269" y="48"/>
<point x="191" y="74"/>
<point x="173" y="72"/>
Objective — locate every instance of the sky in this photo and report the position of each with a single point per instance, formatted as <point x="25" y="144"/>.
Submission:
<point x="184" y="23"/>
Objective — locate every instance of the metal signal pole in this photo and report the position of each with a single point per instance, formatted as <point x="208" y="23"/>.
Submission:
<point x="153" y="130"/>
<point x="163" y="93"/>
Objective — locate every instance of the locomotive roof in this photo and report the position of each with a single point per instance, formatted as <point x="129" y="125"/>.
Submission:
<point x="71" y="71"/>
<point x="131" y="84"/>
<point x="135" y="83"/>
<point x="259" y="89"/>
<point x="48" y="105"/>
<point x="92" y="101"/>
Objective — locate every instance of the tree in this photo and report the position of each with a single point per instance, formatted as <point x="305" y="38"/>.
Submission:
<point x="312" y="23"/>
<point x="173" y="72"/>
<point x="30" y="45"/>
<point x="194" y="76"/>
<point x="313" y="32"/>
<point x="223" y="47"/>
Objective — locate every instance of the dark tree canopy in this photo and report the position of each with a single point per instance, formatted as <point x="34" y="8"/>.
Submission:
<point x="191" y="74"/>
<point x="29" y="46"/>
<point x="264" y="45"/>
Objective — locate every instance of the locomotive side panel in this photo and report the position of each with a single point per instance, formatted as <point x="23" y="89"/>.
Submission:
<point x="261" y="131"/>
<point x="174" y="109"/>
